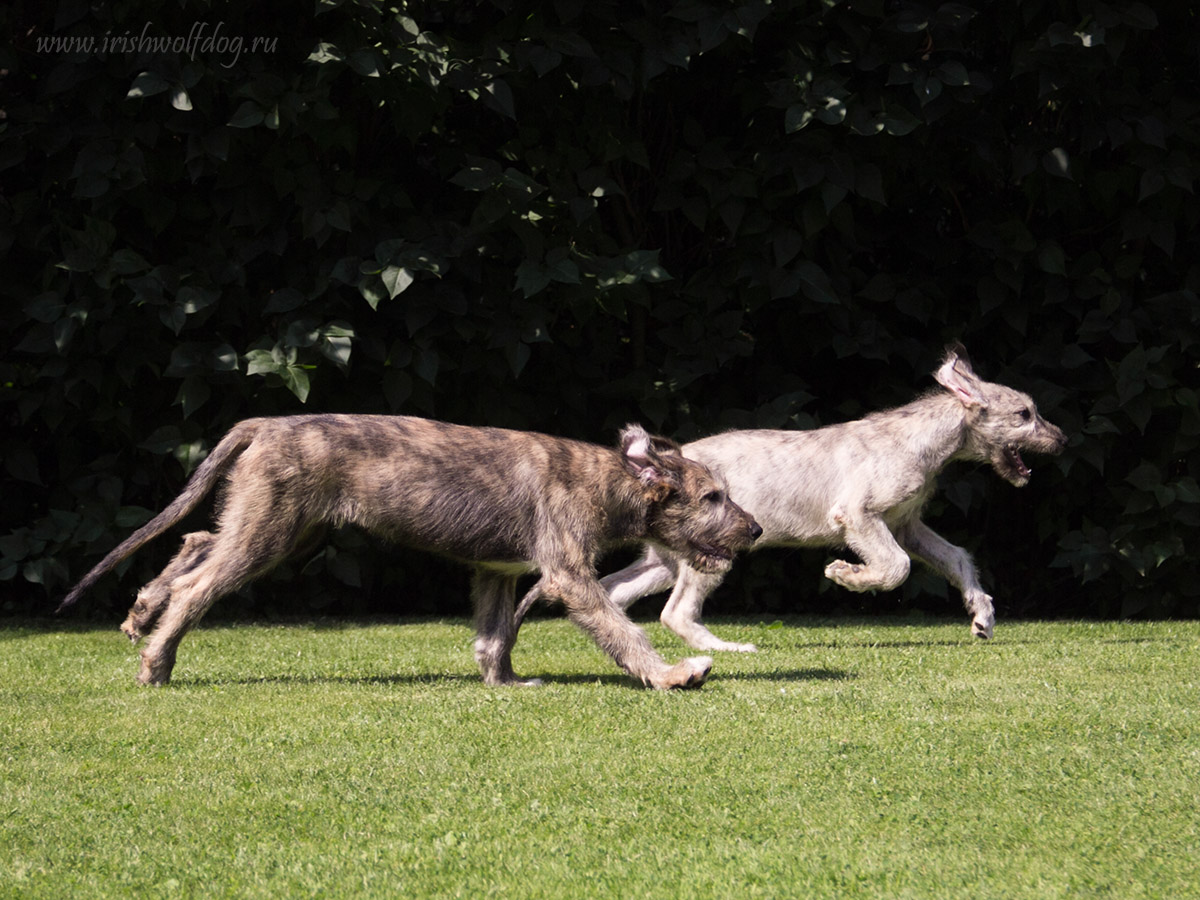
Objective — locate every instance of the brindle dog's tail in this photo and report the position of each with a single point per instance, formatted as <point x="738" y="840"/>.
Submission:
<point x="198" y="487"/>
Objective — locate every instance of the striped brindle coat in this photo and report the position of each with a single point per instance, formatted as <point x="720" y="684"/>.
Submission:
<point x="504" y="502"/>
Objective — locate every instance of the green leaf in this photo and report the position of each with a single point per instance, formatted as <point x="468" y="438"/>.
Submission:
<point x="132" y="516"/>
<point x="1146" y="477"/>
<point x="532" y="277"/>
<point x="397" y="387"/>
<point x="500" y="97"/>
<point x="1058" y="163"/>
<point x="193" y="394"/>
<point x="295" y="379"/>
<point x="247" y="115"/>
<point x="284" y="300"/>
<point x="898" y="121"/>
<point x="373" y="290"/>
<point x="190" y="454"/>
<point x="88" y="247"/>
<point x="46" y="307"/>
<point x="815" y="283"/>
<point x="396" y="280"/>
<point x="365" y="63"/>
<point x="21" y="463"/>
<point x="162" y="440"/>
<point x="262" y="362"/>
<point x="953" y="73"/>
<point x="1051" y="258"/>
<point x="147" y="84"/>
<point x="326" y="53"/>
<point x="644" y="266"/>
<point x="797" y="117"/>
<point x="425" y="362"/>
<point x="479" y="176"/>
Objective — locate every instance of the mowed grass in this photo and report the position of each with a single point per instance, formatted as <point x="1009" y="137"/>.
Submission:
<point x="845" y="759"/>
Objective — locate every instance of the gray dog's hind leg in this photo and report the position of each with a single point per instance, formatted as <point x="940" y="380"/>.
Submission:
<point x="649" y="575"/>
<point x="655" y="572"/>
<point x="682" y="612"/>
<point x="885" y="563"/>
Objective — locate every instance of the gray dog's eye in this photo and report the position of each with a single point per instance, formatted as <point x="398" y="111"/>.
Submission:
<point x="1026" y="414"/>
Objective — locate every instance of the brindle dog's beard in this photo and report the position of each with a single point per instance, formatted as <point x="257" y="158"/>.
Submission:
<point x="709" y="560"/>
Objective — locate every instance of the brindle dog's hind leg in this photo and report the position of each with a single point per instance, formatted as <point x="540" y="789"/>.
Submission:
<point x="154" y="597"/>
<point x="492" y="594"/>
<point x="253" y="537"/>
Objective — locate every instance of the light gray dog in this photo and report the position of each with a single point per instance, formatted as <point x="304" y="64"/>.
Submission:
<point x="858" y="484"/>
<point x="507" y="502"/>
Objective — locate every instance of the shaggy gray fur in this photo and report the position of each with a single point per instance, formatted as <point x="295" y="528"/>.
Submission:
<point x="860" y="485"/>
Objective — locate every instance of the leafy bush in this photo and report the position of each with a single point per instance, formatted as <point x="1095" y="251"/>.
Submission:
<point x="567" y="216"/>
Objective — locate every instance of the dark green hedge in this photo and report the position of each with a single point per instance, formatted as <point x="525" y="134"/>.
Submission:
<point x="567" y="215"/>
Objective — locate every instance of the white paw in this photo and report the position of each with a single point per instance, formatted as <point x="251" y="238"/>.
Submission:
<point x="982" y="626"/>
<point x="846" y="574"/>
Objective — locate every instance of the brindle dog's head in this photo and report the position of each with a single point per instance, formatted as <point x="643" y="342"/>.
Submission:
<point x="1001" y="421"/>
<point x="690" y="511"/>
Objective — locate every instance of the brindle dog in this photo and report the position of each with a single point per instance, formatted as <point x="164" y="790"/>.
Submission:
<point x="505" y="502"/>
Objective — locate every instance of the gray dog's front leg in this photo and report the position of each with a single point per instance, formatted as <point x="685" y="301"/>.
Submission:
<point x="956" y="566"/>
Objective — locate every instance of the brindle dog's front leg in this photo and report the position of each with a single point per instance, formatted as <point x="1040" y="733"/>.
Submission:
<point x="590" y="607"/>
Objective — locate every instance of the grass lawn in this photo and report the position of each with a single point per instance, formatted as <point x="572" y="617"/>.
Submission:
<point x="844" y="759"/>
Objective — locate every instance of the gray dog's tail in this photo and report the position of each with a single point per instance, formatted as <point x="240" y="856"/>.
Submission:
<point x="197" y="488"/>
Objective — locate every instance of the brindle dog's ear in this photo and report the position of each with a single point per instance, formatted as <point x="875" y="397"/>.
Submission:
<point x="662" y="446"/>
<point x="645" y="461"/>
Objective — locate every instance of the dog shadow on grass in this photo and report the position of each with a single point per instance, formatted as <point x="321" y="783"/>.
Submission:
<point x="446" y="678"/>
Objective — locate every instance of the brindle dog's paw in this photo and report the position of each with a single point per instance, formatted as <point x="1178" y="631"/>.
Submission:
<point x="131" y="631"/>
<point x="687" y="673"/>
<point x="155" y="672"/>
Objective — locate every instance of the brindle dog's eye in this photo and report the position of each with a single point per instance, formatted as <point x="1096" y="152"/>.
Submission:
<point x="714" y="497"/>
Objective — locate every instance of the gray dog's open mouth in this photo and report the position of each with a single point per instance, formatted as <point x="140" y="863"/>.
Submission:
<point x="708" y="559"/>
<point x="1015" y="465"/>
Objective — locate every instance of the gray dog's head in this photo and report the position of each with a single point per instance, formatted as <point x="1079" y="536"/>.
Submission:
<point x="1001" y="421"/>
<point x="689" y="510"/>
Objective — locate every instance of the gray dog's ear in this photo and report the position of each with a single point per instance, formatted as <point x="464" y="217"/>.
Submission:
<point x="957" y="376"/>
<point x="644" y="460"/>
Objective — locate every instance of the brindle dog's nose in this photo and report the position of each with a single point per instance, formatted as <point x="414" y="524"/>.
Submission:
<point x="755" y="531"/>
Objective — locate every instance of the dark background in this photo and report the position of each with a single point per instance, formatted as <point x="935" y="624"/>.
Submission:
<point x="564" y="216"/>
